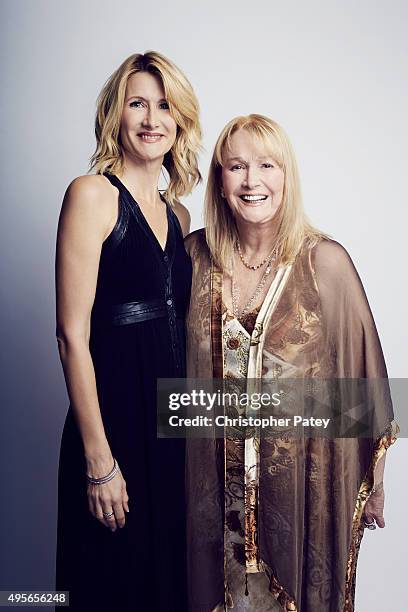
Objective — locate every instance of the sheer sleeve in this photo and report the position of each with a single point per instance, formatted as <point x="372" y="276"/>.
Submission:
<point x="349" y="324"/>
<point x="352" y="346"/>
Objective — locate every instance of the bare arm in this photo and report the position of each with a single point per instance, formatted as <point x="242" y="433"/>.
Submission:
<point x="88" y="213"/>
<point x="379" y="472"/>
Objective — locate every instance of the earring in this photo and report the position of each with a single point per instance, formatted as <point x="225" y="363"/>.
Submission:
<point x="222" y="193"/>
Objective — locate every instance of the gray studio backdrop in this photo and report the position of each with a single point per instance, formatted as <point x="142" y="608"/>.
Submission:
<point x="332" y="73"/>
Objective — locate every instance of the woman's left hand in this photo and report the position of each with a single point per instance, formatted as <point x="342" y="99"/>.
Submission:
<point x="374" y="508"/>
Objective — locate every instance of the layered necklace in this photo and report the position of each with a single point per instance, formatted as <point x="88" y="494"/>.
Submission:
<point x="235" y="289"/>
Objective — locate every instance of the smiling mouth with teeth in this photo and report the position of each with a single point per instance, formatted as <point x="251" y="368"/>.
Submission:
<point x="252" y="198"/>
<point x="150" y="137"/>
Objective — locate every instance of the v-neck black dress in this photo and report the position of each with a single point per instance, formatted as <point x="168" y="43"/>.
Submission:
<point x="137" y="336"/>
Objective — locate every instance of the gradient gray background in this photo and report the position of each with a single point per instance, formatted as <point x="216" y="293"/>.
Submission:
<point x="332" y="73"/>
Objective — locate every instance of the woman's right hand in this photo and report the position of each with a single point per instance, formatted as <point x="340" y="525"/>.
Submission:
<point x="109" y="497"/>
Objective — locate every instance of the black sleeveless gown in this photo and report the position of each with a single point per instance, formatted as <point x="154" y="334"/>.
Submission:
<point x="137" y="336"/>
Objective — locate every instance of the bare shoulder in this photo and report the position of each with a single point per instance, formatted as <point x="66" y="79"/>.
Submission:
<point x="183" y="216"/>
<point x="90" y="199"/>
<point x="90" y="188"/>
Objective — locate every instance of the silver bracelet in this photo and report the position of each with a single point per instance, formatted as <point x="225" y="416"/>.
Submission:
<point x="104" y="479"/>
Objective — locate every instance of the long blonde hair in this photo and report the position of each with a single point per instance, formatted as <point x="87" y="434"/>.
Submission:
<point x="293" y="225"/>
<point x="181" y="161"/>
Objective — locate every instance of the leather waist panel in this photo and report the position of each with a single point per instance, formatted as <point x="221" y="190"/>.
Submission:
<point x="136" y="312"/>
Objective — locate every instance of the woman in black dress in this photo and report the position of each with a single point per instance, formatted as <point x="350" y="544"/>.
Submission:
<point x="123" y="285"/>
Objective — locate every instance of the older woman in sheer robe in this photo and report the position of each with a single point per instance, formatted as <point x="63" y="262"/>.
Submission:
<point x="275" y="522"/>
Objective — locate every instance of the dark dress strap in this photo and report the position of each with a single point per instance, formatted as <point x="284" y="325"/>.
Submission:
<point x="122" y="222"/>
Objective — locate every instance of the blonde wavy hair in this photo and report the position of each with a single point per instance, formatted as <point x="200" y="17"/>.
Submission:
<point x="181" y="161"/>
<point x="293" y="225"/>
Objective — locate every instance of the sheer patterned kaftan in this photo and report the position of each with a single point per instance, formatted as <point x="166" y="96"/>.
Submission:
<point x="311" y="492"/>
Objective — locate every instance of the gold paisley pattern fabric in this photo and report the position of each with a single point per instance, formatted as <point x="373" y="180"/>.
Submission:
<point x="241" y="480"/>
<point x="311" y="491"/>
<point x="379" y="449"/>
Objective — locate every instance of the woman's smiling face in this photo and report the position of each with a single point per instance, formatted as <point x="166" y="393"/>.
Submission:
<point x="148" y="130"/>
<point x="252" y="180"/>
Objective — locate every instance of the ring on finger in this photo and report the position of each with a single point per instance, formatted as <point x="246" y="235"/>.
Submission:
<point x="370" y="526"/>
<point x="107" y="514"/>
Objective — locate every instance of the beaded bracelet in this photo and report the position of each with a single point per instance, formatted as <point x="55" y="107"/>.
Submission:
<point x="104" y="479"/>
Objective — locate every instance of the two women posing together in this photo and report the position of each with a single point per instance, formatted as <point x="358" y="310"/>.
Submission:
<point x="238" y="523"/>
